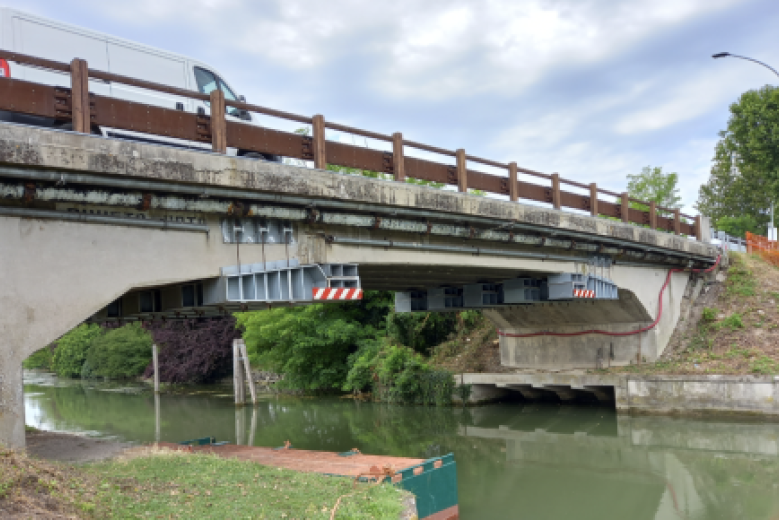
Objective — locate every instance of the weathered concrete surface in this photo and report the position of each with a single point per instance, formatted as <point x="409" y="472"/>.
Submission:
<point x="637" y="307"/>
<point x="749" y="395"/>
<point x="33" y="147"/>
<point x="55" y="274"/>
<point x="666" y="395"/>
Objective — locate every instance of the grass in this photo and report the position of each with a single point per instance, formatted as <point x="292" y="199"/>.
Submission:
<point x="150" y="483"/>
<point x="168" y="484"/>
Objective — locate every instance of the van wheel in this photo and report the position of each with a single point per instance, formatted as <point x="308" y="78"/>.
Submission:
<point x="262" y="156"/>
<point x="69" y="127"/>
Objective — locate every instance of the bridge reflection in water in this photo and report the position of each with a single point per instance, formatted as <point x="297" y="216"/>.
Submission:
<point x="514" y="461"/>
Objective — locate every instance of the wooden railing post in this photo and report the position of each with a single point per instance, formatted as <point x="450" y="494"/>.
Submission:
<point x="677" y="222"/>
<point x="462" y="172"/>
<point x="513" y="187"/>
<point x="320" y="156"/>
<point x="594" y="199"/>
<point x="556" y="191"/>
<point x="218" y="122"/>
<point x="79" y="95"/>
<point x="398" y="162"/>
<point x="625" y="208"/>
<point x="653" y="215"/>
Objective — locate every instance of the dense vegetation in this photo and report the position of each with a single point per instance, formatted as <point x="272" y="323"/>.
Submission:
<point x="363" y="346"/>
<point x="90" y="351"/>
<point x="354" y="347"/>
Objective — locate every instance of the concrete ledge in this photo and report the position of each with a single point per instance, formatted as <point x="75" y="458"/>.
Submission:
<point x="34" y="147"/>
<point x="754" y="396"/>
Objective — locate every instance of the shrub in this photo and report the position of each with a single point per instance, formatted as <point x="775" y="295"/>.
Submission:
<point x="732" y="322"/>
<point x="120" y="353"/>
<point x="194" y="351"/>
<point x="397" y="374"/>
<point x="72" y="349"/>
<point x="40" y="360"/>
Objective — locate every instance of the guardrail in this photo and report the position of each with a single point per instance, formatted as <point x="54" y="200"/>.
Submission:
<point x="86" y="110"/>
<point x="730" y="243"/>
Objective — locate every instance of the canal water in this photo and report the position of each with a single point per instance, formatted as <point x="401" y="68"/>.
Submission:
<point x="514" y="460"/>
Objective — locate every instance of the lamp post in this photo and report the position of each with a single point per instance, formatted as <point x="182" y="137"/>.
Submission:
<point x="729" y="55"/>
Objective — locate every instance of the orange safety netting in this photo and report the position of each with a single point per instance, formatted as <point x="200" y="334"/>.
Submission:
<point x="767" y="249"/>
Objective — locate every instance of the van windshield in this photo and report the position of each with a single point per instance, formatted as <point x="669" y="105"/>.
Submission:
<point x="207" y="82"/>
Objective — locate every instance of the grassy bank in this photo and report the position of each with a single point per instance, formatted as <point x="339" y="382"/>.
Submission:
<point x="150" y="483"/>
<point x="736" y="332"/>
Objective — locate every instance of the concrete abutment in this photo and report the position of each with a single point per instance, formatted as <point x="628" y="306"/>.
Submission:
<point x="546" y="336"/>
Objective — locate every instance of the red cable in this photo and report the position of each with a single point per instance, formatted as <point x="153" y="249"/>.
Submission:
<point x="606" y="332"/>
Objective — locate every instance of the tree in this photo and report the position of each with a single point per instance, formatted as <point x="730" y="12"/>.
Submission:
<point x="121" y="353"/>
<point x="745" y="174"/>
<point x="752" y="136"/>
<point x="652" y="185"/>
<point x="738" y="226"/>
<point x="72" y="349"/>
<point x="310" y="345"/>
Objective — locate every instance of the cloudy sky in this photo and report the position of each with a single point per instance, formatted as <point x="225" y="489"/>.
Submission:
<point x="592" y="89"/>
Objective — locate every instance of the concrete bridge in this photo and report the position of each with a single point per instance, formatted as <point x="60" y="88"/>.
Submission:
<point x="105" y="229"/>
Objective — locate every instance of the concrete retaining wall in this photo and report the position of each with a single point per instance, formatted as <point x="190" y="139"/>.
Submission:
<point x="683" y="395"/>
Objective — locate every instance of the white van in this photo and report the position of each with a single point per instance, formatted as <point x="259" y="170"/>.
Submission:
<point x="27" y="34"/>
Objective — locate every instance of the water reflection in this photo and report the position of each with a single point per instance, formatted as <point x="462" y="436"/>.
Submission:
<point x="514" y="461"/>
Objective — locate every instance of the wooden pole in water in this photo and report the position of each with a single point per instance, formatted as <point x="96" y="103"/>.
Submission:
<point x="156" y="368"/>
<point x="247" y="368"/>
<point x="253" y="427"/>
<point x="237" y="375"/>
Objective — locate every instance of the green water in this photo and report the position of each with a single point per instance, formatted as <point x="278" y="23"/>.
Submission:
<point x="530" y="462"/>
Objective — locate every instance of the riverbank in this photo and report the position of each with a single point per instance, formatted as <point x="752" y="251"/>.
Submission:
<point x="143" y="481"/>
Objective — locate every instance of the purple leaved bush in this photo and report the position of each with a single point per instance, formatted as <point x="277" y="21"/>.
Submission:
<point x="194" y="351"/>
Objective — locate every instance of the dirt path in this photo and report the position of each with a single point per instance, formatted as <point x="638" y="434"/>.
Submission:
<point x="71" y="448"/>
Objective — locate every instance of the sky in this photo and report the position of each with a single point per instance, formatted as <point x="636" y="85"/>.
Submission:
<point x="592" y="89"/>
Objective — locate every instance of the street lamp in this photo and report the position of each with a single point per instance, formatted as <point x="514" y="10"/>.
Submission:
<point x="729" y="55"/>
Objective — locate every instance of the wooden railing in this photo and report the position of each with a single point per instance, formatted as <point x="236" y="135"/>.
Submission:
<point x="87" y="110"/>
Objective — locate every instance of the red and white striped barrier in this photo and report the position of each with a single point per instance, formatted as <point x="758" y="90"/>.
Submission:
<point x="583" y="293"/>
<point x="337" y="294"/>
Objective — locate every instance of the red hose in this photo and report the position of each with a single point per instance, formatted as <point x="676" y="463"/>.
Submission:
<point x="609" y="333"/>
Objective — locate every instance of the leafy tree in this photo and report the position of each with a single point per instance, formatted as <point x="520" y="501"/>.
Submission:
<point x="72" y="349"/>
<point x="310" y="345"/>
<point x="734" y="191"/>
<point x="652" y="185"/>
<point x="752" y="136"/>
<point x="738" y="226"/>
<point x="41" y="359"/>
<point x="120" y="353"/>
